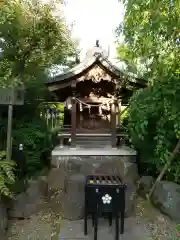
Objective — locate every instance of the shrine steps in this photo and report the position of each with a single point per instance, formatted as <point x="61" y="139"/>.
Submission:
<point x="93" y="141"/>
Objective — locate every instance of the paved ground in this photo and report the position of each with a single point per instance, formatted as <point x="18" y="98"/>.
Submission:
<point x="134" y="231"/>
<point x="147" y="224"/>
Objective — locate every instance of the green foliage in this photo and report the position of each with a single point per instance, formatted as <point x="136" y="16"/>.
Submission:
<point x="32" y="135"/>
<point x="176" y="233"/>
<point x="151" y="37"/>
<point x="7" y="176"/>
<point x="52" y="123"/>
<point x="151" y="34"/>
<point x="32" y="39"/>
<point x="126" y="55"/>
<point x="124" y="117"/>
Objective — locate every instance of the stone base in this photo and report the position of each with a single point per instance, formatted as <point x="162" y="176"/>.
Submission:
<point x="69" y="170"/>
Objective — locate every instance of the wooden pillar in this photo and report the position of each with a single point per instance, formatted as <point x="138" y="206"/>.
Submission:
<point x="119" y="113"/>
<point x="113" y="123"/>
<point x="117" y="116"/>
<point x="73" y="117"/>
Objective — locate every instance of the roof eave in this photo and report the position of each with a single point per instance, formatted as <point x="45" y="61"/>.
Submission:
<point x="75" y="72"/>
<point x="88" y="63"/>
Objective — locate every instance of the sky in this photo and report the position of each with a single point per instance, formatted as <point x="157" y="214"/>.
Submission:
<point x="94" y="19"/>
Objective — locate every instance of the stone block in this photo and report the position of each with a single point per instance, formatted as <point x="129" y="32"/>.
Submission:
<point x="37" y="188"/>
<point x="71" y="209"/>
<point x="56" y="179"/>
<point x="73" y="202"/>
<point x="75" y="186"/>
<point x="130" y="199"/>
<point x="144" y="185"/>
<point x="166" y="197"/>
<point x="130" y="172"/>
<point x="28" y="203"/>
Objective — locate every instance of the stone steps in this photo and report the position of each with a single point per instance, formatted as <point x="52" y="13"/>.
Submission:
<point x="93" y="141"/>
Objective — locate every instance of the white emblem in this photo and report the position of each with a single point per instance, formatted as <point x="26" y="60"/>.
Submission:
<point x="106" y="199"/>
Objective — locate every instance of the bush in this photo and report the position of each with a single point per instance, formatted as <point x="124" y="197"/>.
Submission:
<point x="33" y="136"/>
<point x="154" y="126"/>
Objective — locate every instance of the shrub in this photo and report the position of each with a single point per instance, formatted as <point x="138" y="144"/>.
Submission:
<point x="154" y="125"/>
<point x="33" y="136"/>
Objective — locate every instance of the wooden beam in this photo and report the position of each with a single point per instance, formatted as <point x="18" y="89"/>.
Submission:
<point x="119" y="112"/>
<point x="94" y="99"/>
<point x="57" y="86"/>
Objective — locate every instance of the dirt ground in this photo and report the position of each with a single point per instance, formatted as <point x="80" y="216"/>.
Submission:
<point x="46" y="225"/>
<point x="159" y="225"/>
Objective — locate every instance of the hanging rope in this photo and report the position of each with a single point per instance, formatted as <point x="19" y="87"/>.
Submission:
<point x="92" y="105"/>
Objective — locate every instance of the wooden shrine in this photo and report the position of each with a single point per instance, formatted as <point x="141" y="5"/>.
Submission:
<point x="93" y="93"/>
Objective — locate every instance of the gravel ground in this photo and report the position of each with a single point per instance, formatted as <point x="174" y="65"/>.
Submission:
<point x="46" y="225"/>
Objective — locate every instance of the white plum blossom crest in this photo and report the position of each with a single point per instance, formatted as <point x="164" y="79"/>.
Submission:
<point x="106" y="199"/>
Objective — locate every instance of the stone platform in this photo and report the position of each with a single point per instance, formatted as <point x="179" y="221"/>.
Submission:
<point x="71" y="166"/>
<point x="80" y="151"/>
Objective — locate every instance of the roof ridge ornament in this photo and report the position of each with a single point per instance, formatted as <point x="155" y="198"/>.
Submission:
<point x="97" y="54"/>
<point x="97" y="43"/>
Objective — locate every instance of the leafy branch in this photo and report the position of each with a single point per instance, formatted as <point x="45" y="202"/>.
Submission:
<point x="7" y="176"/>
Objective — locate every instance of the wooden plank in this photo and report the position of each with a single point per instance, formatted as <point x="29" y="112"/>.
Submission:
<point x="6" y="96"/>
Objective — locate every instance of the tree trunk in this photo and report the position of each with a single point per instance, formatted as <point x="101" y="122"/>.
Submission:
<point x="172" y="156"/>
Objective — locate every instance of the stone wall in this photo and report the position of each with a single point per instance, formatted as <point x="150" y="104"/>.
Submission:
<point x="64" y="168"/>
<point x="125" y="166"/>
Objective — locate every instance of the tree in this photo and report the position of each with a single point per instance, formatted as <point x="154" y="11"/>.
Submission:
<point x="31" y="39"/>
<point x="152" y="38"/>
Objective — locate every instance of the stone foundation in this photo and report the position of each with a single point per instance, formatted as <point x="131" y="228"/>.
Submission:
<point x="65" y="168"/>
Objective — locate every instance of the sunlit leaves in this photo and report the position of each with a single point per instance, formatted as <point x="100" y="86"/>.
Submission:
<point x="151" y="30"/>
<point x="33" y="39"/>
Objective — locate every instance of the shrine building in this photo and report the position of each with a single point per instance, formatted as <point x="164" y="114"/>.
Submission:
<point x="94" y="93"/>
